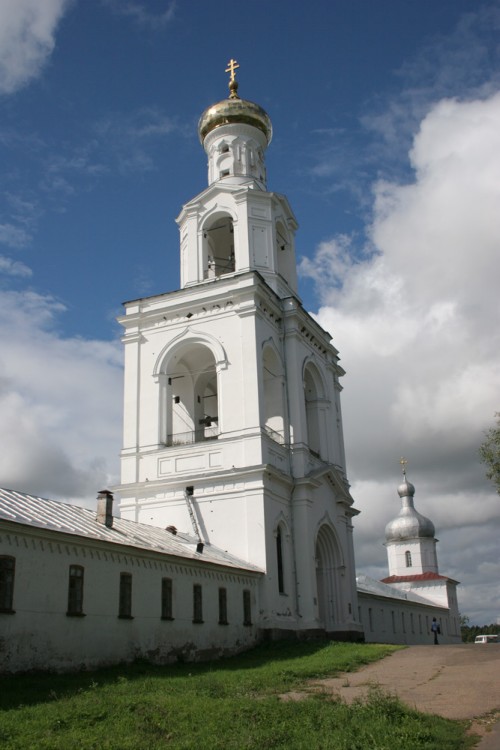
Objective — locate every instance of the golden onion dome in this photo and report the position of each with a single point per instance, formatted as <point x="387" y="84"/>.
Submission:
<point x="234" y="110"/>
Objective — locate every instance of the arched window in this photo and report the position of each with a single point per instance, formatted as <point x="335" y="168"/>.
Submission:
<point x="218" y="246"/>
<point x="279" y="560"/>
<point x="408" y="558"/>
<point x="285" y="257"/>
<point x="75" y="590"/>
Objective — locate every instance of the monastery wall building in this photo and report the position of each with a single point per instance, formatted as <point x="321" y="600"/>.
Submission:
<point x="236" y="519"/>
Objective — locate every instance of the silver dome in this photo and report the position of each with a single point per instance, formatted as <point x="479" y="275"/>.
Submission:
<point x="409" y="523"/>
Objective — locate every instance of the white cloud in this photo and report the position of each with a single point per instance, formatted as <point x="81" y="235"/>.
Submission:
<point x="415" y="316"/>
<point x="141" y="12"/>
<point x="27" y="31"/>
<point x="13" y="236"/>
<point x="60" y="403"/>
<point x="11" y="267"/>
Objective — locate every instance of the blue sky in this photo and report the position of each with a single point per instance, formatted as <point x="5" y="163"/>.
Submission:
<point x="386" y="115"/>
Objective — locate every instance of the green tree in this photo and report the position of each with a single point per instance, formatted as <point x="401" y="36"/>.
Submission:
<point x="489" y="453"/>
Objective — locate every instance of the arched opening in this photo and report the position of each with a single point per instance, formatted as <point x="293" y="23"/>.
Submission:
<point x="328" y="565"/>
<point x="284" y="253"/>
<point x="273" y="394"/>
<point x="192" y="408"/>
<point x="218" y="246"/>
<point x="408" y="558"/>
<point x="313" y="394"/>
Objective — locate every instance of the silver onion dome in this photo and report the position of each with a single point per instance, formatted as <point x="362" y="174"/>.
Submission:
<point x="409" y="523"/>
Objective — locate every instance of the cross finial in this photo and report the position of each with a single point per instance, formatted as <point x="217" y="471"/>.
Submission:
<point x="233" y="83"/>
<point x="403" y="462"/>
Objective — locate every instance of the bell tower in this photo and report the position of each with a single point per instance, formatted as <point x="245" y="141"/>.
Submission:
<point x="232" y="418"/>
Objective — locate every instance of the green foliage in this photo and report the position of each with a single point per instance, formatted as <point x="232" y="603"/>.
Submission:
<point x="227" y="705"/>
<point x="489" y="453"/>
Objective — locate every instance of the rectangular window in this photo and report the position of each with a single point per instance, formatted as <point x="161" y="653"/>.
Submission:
<point x="197" y="603"/>
<point x="166" y="599"/>
<point x="393" y="617"/>
<point x="7" y="570"/>
<point x="75" y="591"/>
<point x="420" y="624"/>
<point x="370" y="618"/>
<point x="125" y="605"/>
<point x="412" y="625"/>
<point x="222" y="606"/>
<point x="247" y="608"/>
<point x="403" y="622"/>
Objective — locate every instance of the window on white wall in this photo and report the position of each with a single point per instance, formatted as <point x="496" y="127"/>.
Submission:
<point x="7" y="571"/>
<point x="408" y="558"/>
<point x="223" y="606"/>
<point x="125" y="600"/>
<point x="279" y="560"/>
<point x="166" y="599"/>
<point x="247" y="607"/>
<point x="197" y="604"/>
<point x="75" y="591"/>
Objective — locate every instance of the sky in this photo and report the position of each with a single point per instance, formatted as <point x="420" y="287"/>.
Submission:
<point x="386" y="120"/>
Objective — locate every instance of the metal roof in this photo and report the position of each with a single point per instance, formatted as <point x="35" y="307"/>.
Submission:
<point x="367" y="585"/>
<point x="55" y="516"/>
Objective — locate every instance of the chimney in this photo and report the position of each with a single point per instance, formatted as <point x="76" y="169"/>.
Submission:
<point x="105" y="508"/>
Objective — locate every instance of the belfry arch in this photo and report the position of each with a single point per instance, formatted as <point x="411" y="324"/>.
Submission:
<point x="218" y="245"/>
<point x="314" y="396"/>
<point x="190" y="401"/>
<point x="272" y="375"/>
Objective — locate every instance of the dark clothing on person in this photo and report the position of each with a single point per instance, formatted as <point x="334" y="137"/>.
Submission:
<point x="435" y="629"/>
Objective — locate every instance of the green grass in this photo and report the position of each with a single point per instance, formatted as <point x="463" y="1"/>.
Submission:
<point x="226" y="705"/>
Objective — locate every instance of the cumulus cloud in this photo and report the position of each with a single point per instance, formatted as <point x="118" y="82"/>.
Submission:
<point x="60" y="403"/>
<point x="415" y="315"/>
<point x="27" y="38"/>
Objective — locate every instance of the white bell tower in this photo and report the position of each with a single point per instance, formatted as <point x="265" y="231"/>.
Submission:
<point x="232" y="420"/>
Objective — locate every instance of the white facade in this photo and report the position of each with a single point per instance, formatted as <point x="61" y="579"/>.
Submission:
<point x="80" y="594"/>
<point x="232" y="394"/>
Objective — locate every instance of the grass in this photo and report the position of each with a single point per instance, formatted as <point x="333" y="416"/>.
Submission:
<point x="226" y="705"/>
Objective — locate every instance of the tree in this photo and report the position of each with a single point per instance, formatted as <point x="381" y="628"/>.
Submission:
<point x="489" y="453"/>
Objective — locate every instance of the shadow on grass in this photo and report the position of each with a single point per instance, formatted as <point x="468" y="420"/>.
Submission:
<point x="42" y="687"/>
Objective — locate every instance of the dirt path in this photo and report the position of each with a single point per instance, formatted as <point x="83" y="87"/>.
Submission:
<point x="457" y="682"/>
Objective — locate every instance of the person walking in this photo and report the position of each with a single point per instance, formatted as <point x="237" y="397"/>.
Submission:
<point x="435" y="629"/>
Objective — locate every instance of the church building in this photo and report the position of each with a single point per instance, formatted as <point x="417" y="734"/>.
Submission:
<point x="235" y="516"/>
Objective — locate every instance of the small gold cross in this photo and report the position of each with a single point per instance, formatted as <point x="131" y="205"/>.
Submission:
<point x="232" y="65"/>
<point x="403" y="462"/>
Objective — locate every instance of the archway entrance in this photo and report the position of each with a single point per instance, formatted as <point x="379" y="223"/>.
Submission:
<point x="328" y="563"/>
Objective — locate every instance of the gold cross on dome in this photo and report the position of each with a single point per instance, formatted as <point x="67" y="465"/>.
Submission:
<point x="403" y="462"/>
<point x="232" y="65"/>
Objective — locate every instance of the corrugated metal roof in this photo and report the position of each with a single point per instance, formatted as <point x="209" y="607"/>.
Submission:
<point x="367" y="585"/>
<point x="52" y="515"/>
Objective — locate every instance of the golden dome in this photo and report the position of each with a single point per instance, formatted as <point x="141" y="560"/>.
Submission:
<point x="234" y="110"/>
